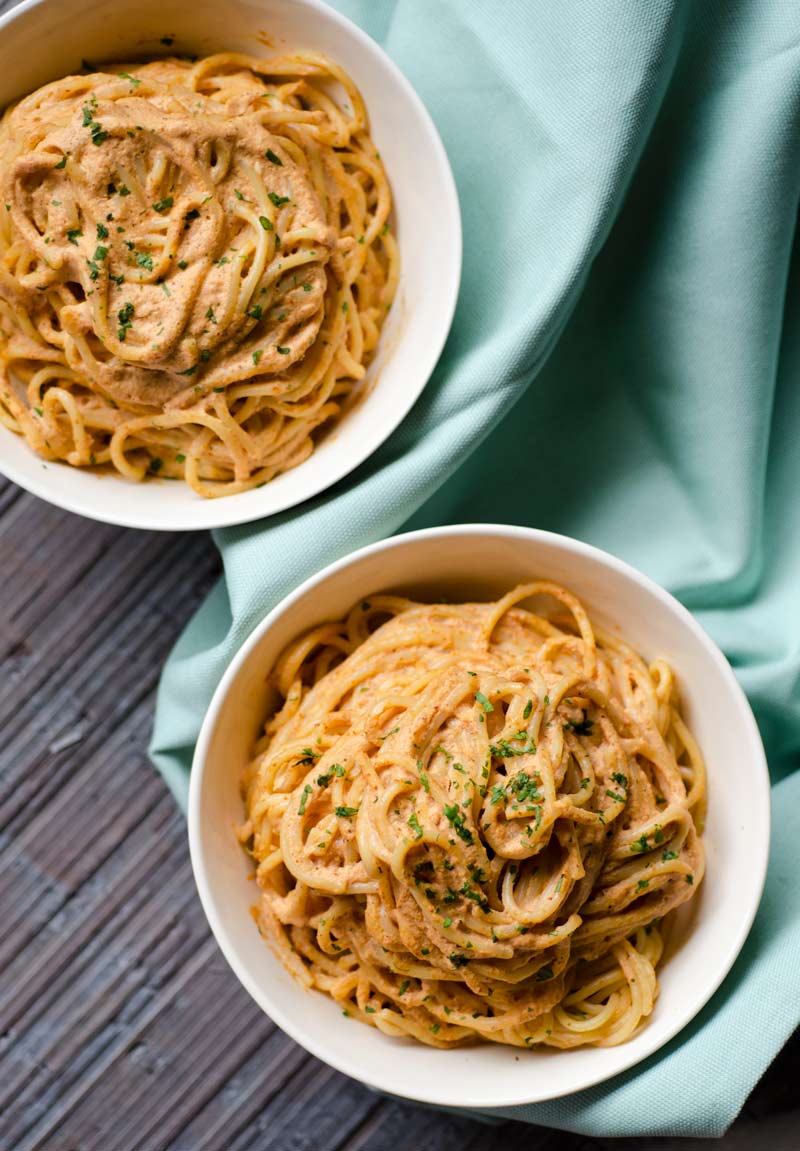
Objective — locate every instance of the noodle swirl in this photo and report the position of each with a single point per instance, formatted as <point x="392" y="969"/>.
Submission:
<point x="195" y="264"/>
<point x="470" y="819"/>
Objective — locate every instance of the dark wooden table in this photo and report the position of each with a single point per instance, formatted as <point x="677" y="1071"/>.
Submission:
<point x="120" y="1025"/>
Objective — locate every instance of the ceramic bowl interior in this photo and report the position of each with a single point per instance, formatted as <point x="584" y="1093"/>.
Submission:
<point x="43" y="40"/>
<point x="482" y="562"/>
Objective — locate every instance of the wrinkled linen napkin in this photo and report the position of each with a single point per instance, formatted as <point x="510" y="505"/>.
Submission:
<point x="624" y="367"/>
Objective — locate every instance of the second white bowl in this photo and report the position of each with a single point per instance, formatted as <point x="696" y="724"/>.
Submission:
<point x="482" y="562"/>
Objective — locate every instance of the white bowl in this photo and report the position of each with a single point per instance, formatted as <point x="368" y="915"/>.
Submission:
<point x="43" y="40"/>
<point x="481" y="562"/>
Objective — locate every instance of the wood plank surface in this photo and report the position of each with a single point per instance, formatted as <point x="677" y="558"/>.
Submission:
<point x="121" y="1026"/>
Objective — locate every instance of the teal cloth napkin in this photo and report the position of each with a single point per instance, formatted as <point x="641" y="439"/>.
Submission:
<point x="624" y="367"/>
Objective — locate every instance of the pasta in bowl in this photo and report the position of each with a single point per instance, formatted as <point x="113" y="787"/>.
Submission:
<point x="469" y="820"/>
<point x="213" y="264"/>
<point x="197" y="263"/>
<point x="509" y="936"/>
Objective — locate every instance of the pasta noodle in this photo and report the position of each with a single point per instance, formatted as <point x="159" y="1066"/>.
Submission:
<point x="470" y="819"/>
<point x="195" y="264"/>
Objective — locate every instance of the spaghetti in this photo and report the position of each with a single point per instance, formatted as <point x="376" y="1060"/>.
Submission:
<point x="195" y="264"/>
<point x="469" y="820"/>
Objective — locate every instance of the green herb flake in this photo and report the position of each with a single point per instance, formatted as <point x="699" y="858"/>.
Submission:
<point x="164" y="205"/>
<point x="62" y="163"/>
<point x="455" y="817"/>
<point x="266" y="224"/>
<point x="486" y="706"/>
<point x="414" y="824"/>
<point x="273" y="159"/>
<point x="304" y="799"/>
<point x="345" y="812"/>
<point x="282" y="351"/>
<point x="277" y="200"/>
<point x="73" y="234"/>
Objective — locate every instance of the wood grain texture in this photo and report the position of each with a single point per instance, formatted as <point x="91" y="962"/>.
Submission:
<point x="121" y="1027"/>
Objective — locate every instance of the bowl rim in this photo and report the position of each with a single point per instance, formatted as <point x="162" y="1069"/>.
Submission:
<point x="760" y="812"/>
<point x="220" y="512"/>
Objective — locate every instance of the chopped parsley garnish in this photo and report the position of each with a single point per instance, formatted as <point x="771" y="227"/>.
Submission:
<point x="124" y="190"/>
<point x="455" y="817"/>
<point x="257" y="355"/>
<point x="124" y="315"/>
<point x="486" y="705"/>
<point x="192" y="214"/>
<point x="180" y="458"/>
<point x="273" y="159"/>
<point x="189" y="371"/>
<point x="621" y="779"/>
<point x="266" y="224"/>
<point x="304" y="799"/>
<point x="497" y="794"/>
<point x="126" y="76"/>
<point x="62" y="163"/>
<point x="238" y="194"/>
<point x="524" y="787"/>
<point x="642" y="884"/>
<point x="615" y="795"/>
<point x="277" y="200"/>
<point x="504" y="749"/>
<point x="72" y="235"/>
<point x="256" y="312"/>
<point x="308" y="757"/>
<point x="307" y="287"/>
<point x="210" y="315"/>
<point x="156" y="464"/>
<point x="403" y="988"/>
<point x="182" y="265"/>
<point x="690" y="879"/>
<point x="282" y="351"/>
<point x="100" y="252"/>
<point x="144" y="260"/>
<point x="641" y="845"/>
<point x="458" y="960"/>
<point x="528" y="709"/>
<point x="345" y="812"/>
<point x="469" y="892"/>
<point x="668" y="855"/>
<point x="544" y="973"/>
<point x="102" y="232"/>
<point x="414" y="824"/>
<point x="163" y="205"/>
